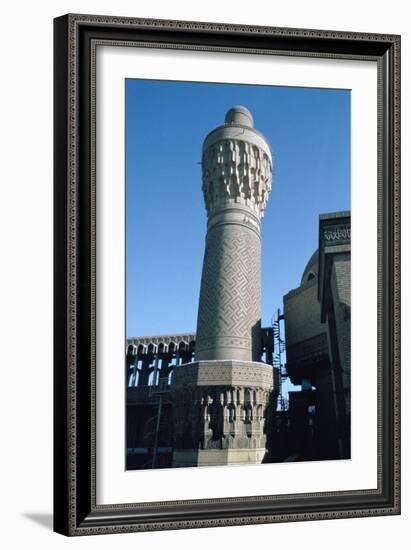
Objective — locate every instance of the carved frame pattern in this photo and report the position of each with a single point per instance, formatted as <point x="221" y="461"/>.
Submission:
<point x="76" y="38"/>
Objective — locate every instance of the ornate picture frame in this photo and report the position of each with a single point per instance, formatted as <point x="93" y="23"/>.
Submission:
<point x="76" y="510"/>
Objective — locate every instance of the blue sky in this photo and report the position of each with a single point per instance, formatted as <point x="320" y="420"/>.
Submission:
<point x="166" y="122"/>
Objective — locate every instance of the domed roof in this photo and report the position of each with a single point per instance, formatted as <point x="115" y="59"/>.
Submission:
<point x="239" y="115"/>
<point x="311" y="269"/>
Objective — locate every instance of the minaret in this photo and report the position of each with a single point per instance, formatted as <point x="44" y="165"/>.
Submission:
<point x="221" y="401"/>
<point x="237" y="168"/>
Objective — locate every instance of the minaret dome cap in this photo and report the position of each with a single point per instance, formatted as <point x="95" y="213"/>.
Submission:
<point x="239" y="115"/>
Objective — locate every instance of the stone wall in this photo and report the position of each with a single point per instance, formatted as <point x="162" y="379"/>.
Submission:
<point x="341" y="295"/>
<point x="304" y="333"/>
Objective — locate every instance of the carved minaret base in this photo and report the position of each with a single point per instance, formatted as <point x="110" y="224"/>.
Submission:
<point x="221" y="402"/>
<point x="220" y="410"/>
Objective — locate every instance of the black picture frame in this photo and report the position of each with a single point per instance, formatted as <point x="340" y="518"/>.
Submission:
<point x="75" y="509"/>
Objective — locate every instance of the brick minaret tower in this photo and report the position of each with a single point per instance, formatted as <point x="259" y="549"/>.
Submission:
<point x="221" y="400"/>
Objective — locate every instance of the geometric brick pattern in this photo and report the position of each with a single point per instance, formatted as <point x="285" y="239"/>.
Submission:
<point x="230" y="310"/>
<point x="225" y="373"/>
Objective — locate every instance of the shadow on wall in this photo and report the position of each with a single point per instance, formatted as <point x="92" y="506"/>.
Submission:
<point x="45" y="520"/>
